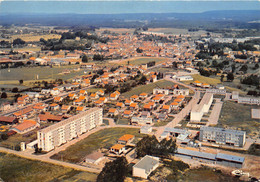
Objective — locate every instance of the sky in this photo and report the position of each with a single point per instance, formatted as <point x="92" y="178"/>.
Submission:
<point x="125" y="6"/>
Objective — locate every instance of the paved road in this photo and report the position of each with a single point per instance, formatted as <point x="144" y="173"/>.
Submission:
<point x="181" y="115"/>
<point x="214" y="116"/>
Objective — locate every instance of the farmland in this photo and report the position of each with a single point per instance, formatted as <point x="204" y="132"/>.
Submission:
<point x="138" y="60"/>
<point x="102" y="139"/>
<point x="14" y="168"/>
<point x="34" y="38"/>
<point x="238" y="116"/>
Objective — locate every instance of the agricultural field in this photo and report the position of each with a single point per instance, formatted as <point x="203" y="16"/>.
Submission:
<point x="105" y="138"/>
<point x="204" y="79"/>
<point x="34" y="38"/>
<point x="239" y="116"/>
<point x="148" y="88"/>
<point x="14" y="168"/>
<point x="13" y="75"/>
<point x="138" y="60"/>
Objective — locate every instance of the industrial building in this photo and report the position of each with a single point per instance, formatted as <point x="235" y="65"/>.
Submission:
<point x="222" y="136"/>
<point x="60" y="133"/>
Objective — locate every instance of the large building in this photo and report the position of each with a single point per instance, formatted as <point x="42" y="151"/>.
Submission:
<point x="201" y="108"/>
<point x="60" y="133"/>
<point x="222" y="136"/>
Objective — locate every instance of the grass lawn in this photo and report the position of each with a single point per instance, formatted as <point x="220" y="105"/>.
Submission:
<point x="148" y="88"/>
<point x="145" y="60"/>
<point x="204" y="79"/>
<point x="238" y="116"/>
<point x="91" y="90"/>
<point x="14" y="168"/>
<point x="101" y="139"/>
<point x="44" y="73"/>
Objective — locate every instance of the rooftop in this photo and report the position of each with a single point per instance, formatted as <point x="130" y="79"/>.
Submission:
<point x="147" y="163"/>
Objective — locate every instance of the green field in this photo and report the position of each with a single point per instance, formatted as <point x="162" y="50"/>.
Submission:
<point x="44" y="73"/>
<point x="148" y="88"/>
<point x="102" y="139"/>
<point x="238" y="116"/>
<point x="204" y="79"/>
<point x="140" y="61"/>
<point x="14" y="168"/>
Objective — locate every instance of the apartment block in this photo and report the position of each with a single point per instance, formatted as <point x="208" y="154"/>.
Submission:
<point x="64" y="131"/>
<point x="203" y="107"/>
<point x="223" y="136"/>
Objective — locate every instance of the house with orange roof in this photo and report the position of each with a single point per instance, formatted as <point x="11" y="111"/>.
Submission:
<point x="80" y="108"/>
<point x="125" y="139"/>
<point x="55" y="91"/>
<point x="120" y="105"/>
<point x="133" y="105"/>
<point x="174" y="105"/>
<point x="83" y="98"/>
<point x="166" y="108"/>
<point x="93" y="96"/>
<point x="100" y="92"/>
<point x="178" y="100"/>
<point x="128" y="102"/>
<point x="205" y="85"/>
<point x="58" y="99"/>
<point x="153" y="78"/>
<point x="197" y="83"/>
<point x="147" y="107"/>
<point x="118" y="93"/>
<point x="103" y="99"/>
<point x="143" y="95"/>
<point x="72" y="96"/>
<point x="54" y="106"/>
<point x="25" y="126"/>
<point x="113" y="112"/>
<point x="39" y="107"/>
<point x="23" y="113"/>
<point x="156" y="99"/>
<point x="47" y="117"/>
<point x="117" y="149"/>
<point x="134" y="97"/>
<point x="128" y="113"/>
<point x="113" y="96"/>
<point x="78" y="102"/>
<point x="83" y="92"/>
<point x="65" y="108"/>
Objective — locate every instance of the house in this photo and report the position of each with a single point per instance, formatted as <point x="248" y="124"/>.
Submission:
<point x="72" y="96"/>
<point x="25" y="126"/>
<point x="156" y="99"/>
<point x="58" y="99"/>
<point x="128" y="102"/>
<point x="65" y="108"/>
<point x="205" y="85"/>
<point x="166" y="108"/>
<point x="117" y="149"/>
<point x="197" y="83"/>
<point x="55" y="91"/>
<point x="113" y="96"/>
<point x="125" y="139"/>
<point x="113" y="112"/>
<point x="8" y="120"/>
<point x="153" y="78"/>
<point x="146" y="129"/>
<point x="160" y="91"/>
<point x="145" y="114"/>
<point x="134" y="97"/>
<point x="45" y="91"/>
<point x="78" y="102"/>
<point x="148" y="107"/>
<point x="162" y="116"/>
<point x="94" y="96"/>
<point x="145" y="166"/>
<point x="80" y="108"/>
<point x="133" y="105"/>
<point x="100" y="92"/>
<point x="48" y="117"/>
<point x="181" y="92"/>
<point x="141" y="121"/>
<point x="175" y="105"/>
<point x="184" y="78"/>
<point x="83" y="92"/>
<point x="128" y="113"/>
<point x="120" y="105"/>
<point x="143" y="95"/>
<point x="95" y="157"/>
<point x="39" y="107"/>
<point x="54" y="106"/>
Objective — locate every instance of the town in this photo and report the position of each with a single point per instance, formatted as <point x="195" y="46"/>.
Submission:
<point x="147" y="103"/>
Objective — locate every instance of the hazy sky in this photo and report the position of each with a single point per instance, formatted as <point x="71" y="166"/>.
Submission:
<point x="130" y="6"/>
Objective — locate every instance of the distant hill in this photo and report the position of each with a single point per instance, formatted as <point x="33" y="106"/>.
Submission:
<point x="209" y="19"/>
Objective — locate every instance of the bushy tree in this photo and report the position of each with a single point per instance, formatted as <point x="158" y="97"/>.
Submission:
<point x="230" y="77"/>
<point x="84" y="58"/>
<point x="114" y="171"/>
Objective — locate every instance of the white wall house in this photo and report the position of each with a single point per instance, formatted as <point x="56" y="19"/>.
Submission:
<point x="145" y="166"/>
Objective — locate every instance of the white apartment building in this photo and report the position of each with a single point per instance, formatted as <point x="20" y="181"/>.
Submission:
<point x="223" y="136"/>
<point x="60" y="133"/>
<point x="201" y="108"/>
<point x="181" y="92"/>
<point x="160" y="91"/>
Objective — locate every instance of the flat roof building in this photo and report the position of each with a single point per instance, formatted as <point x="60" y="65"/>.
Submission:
<point x="223" y="136"/>
<point x="59" y="133"/>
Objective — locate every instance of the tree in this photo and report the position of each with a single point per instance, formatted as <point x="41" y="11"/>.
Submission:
<point x="143" y="80"/>
<point x="230" y="77"/>
<point x="84" y="58"/>
<point x="15" y="90"/>
<point x="98" y="57"/>
<point x="18" y="41"/>
<point x="21" y="81"/>
<point x="114" y="171"/>
<point x="3" y="95"/>
<point x="222" y="78"/>
<point x="256" y="66"/>
<point x="244" y="68"/>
